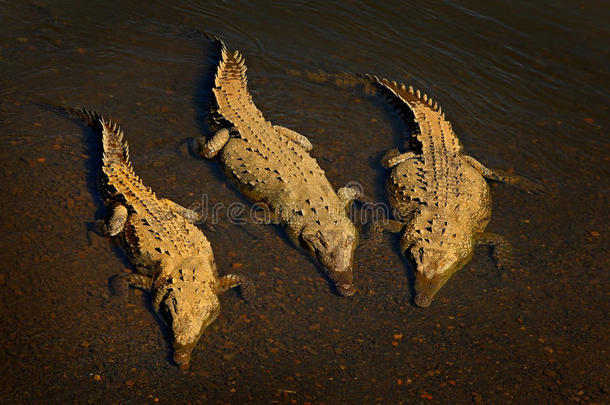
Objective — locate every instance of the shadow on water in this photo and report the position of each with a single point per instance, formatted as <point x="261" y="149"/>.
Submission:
<point x="202" y="98"/>
<point x="401" y="129"/>
<point x="92" y="166"/>
<point x="203" y="93"/>
<point x="402" y="139"/>
<point x="92" y="148"/>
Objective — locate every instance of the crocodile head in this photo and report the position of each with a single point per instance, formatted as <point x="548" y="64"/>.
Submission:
<point x="435" y="264"/>
<point x="188" y="310"/>
<point x="334" y="247"/>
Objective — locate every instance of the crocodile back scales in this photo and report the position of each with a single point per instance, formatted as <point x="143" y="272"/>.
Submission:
<point x="448" y="192"/>
<point x="152" y="231"/>
<point x="267" y="166"/>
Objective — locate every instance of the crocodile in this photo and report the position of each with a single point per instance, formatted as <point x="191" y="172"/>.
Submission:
<point x="172" y="257"/>
<point x="272" y="167"/>
<point x="439" y="195"/>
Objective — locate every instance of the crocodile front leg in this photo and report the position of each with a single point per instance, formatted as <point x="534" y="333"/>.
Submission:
<point x="380" y="226"/>
<point x="229" y="281"/>
<point x="178" y="209"/>
<point x="394" y="157"/>
<point x="500" y="175"/>
<point x="210" y="148"/>
<point x="294" y="137"/>
<point x="115" y="222"/>
<point x="404" y="225"/>
<point x="501" y="248"/>
<point x="121" y="283"/>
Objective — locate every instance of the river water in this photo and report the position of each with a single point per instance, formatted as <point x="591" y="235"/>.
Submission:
<point x="526" y="87"/>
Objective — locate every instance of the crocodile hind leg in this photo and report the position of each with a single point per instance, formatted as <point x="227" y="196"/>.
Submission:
<point x="116" y="221"/>
<point x="393" y="157"/>
<point x="176" y="208"/>
<point x="502" y="176"/>
<point x="294" y="137"/>
<point x="380" y="226"/>
<point x="387" y="225"/>
<point x="233" y="280"/>
<point x="501" y="248"/>
<point x="210" y="148"/>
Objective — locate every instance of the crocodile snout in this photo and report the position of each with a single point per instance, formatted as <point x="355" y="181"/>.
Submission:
<point x="346" y="290"/>
<point x="182" y="357"/>
<point x="343" y="280"/>
<point x="422" y="300"/>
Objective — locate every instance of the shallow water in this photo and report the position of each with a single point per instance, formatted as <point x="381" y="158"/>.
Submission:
<point x="526" y="87"/>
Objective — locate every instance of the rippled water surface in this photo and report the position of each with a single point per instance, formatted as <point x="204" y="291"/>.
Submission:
<point x="526" y="87"/>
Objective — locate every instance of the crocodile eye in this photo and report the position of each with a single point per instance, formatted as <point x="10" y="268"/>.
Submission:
<point x="308" y="242"/>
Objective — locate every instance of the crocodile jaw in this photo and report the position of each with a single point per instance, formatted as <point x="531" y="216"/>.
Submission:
<point x="426" y="289"/>
<point x="346" y="290"/>
<point x="434" y="267"/>
<point x="186" y="332"/>
<point x="338" y="261"/>
<point x="188" y="309"/>
<point x="334" y="247"/>
<point x="182" y="355"/>
<point x="339" y="265"/>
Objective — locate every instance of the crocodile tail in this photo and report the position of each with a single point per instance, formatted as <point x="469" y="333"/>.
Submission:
<point x="231" y="67"/>
<point x="400" y="94"/>
<point x="230" y="89"/>
<point x="407" y="101"/>
<point x="115" y="148"/>
<point x="341" y="80"/>
<point x="217" y="40"/>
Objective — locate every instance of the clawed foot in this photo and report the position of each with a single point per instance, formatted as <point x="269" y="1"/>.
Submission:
<point x="121" y="282"/>
<point x="377" y="228"/>
<point x="504" y="262"/>
<point x="100" y="228"/>
<point x="247" y="290"/>
<point x="505" y="177"/>
<point x="245" y="284"/>
<point x="119" y="285"/>
<point x="199" y="145"/>
<point x="530" y="186"/>
<point x="501" y="249"/>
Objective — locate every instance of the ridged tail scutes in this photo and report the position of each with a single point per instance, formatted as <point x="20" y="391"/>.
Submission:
<point x="230" y="90"/>
<point x="91" y="118"/>
<point x="231" y="66"/>
<point x="217" y="40"/>
<point x="401" y="92"/>
<point x="115" y="149"/>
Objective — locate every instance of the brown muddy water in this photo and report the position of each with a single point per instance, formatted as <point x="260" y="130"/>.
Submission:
<point x="526" y="86"/>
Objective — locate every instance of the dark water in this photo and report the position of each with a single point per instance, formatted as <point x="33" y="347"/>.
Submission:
<point x="526" y="86"/>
